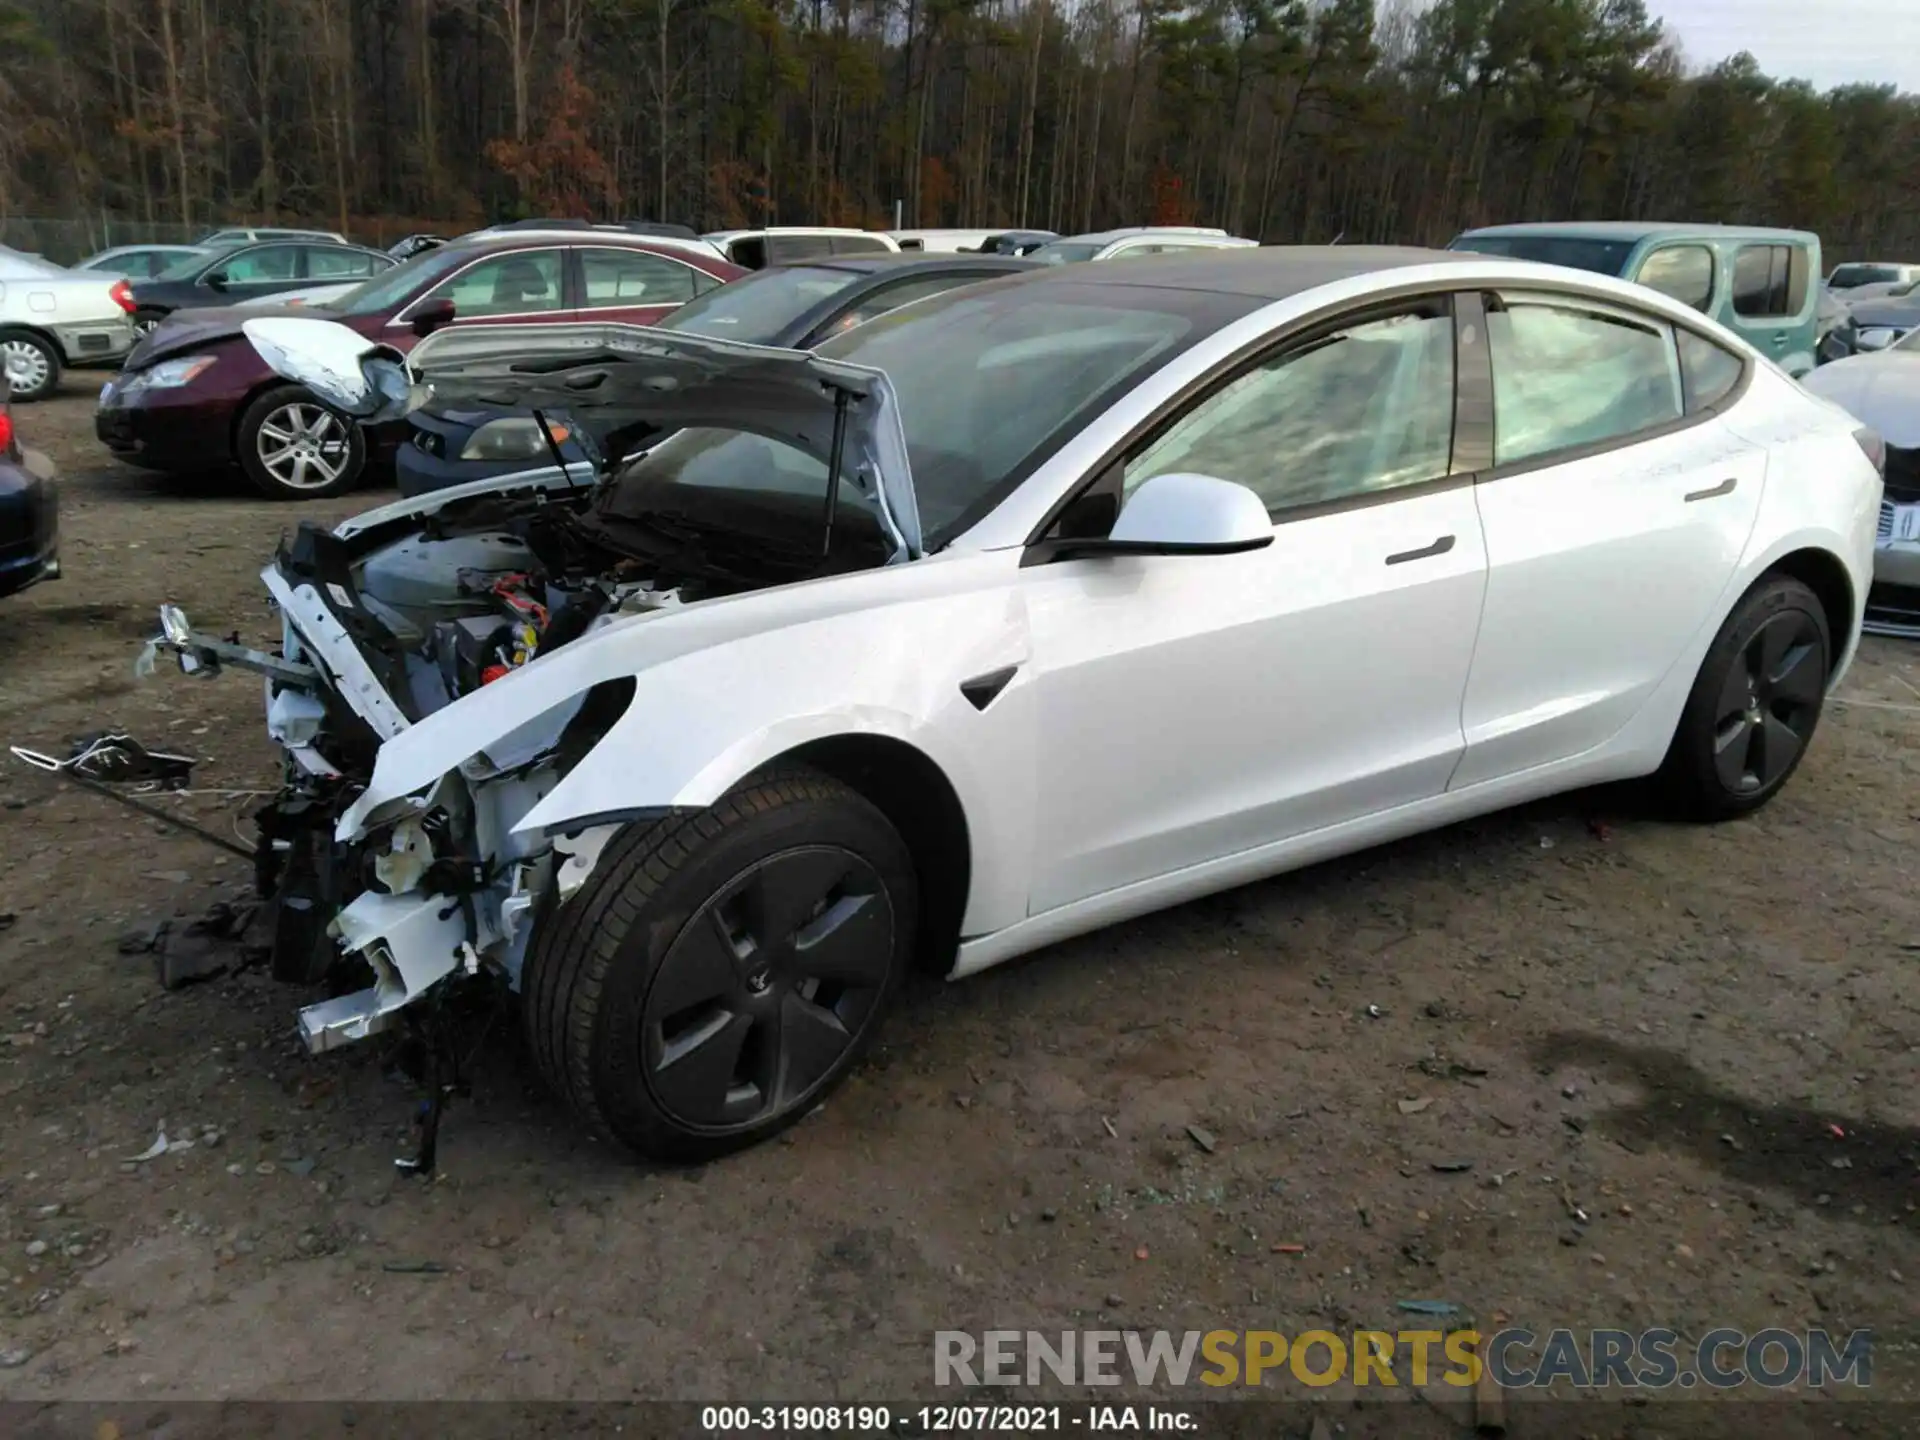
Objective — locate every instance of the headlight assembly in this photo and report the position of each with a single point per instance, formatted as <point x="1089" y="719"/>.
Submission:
<point x="513" y="438"/>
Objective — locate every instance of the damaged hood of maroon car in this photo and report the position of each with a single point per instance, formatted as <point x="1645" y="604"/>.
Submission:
<point x="187" y="330"/>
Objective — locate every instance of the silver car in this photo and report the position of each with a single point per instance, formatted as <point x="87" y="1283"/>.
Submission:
<point x="138" y="262"/>
<point x="1881" y="389"/>
<point x="51" y="317"/>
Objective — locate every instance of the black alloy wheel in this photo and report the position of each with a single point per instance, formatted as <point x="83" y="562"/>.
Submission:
<point x="764" y="990"/>
<point x="1770" y="703"/>
<point x="720" y="971"/>
<point x="1754" y="705"/>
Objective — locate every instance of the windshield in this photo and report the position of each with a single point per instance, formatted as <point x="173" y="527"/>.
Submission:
<point x="988" y="379"/>
<point x="1603" y="257"/>
<point x="390" y="287"/>
<point x="1845" y="277"/>
<point x="985" y="380"/>
<point x="758" y="309"/>
<point x="1066" y="252"/>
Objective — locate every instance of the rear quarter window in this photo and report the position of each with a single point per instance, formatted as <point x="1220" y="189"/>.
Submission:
<point x="1708" y="371"/>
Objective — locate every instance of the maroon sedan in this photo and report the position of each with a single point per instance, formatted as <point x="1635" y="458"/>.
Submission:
<point x="195" y="395"/>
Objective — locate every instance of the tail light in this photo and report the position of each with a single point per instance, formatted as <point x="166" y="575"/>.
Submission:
<point x="6" y="433"/>
<point x="1869" y="440"/>
<point x="122" y="295"/>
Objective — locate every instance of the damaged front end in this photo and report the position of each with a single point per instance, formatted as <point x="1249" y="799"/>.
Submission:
<point x="393" y="876"/>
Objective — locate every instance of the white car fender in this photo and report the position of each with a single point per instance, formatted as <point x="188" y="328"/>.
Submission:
<point x="725" y="686"/>
<point x="702" y="722"/>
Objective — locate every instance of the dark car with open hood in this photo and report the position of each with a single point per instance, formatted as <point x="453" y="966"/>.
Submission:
<point x="29" y="509"/>
<point x="792" y="307"/>
<point x="195" y="396"/>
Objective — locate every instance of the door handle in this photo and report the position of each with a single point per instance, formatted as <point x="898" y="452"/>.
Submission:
<point x="1438" y="547"/>
<point x="1714" y="492"/>
<point x="1780" y="337"/>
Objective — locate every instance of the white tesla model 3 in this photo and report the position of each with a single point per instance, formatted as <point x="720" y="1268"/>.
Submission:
<point x="1013" y="613"/>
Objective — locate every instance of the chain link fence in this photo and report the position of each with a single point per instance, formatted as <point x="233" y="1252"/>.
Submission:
<point x="64" y="241"/>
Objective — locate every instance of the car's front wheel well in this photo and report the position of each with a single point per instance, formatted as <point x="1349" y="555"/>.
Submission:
<point x="919" y="802"/>
<point x="1822" y="572"/>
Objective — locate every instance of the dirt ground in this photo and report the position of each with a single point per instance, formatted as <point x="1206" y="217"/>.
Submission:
<point x="1654" y="1075"/>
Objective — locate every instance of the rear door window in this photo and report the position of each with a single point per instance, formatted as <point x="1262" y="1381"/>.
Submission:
<point x="265" y="265"/>
<point x="1567" y="376"/>
<point x="623" y="279"/>
<point x="1684" y="272"/>
<point x="324" y="263"/>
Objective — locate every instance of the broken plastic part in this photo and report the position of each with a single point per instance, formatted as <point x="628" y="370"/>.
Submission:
<point x="409" y="852"/>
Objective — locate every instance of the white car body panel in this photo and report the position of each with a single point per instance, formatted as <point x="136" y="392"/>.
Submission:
<point x="1177" y="724"/>
<point x="75" y="308"/>
<point x="1221" y="651"/>
<point x="1569" y="648"/>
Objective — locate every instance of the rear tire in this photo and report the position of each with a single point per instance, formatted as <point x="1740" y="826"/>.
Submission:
<point x="294" y="448"/>
<point x="32" y="364"/>
<point x="720" y="973"/>
<point x="1754" y="705"/>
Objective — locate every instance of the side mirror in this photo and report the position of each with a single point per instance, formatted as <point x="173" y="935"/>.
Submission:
<point x="431" y="316"/>
<point x="1182" y="514"/>
<point x="217" y="280"/>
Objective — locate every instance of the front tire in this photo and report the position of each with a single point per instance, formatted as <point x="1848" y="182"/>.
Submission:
<point x="294" y="448"/>
<point x="1754" y="705"/>
<point x="32" y="365"/>
<point x="720" y="973"/>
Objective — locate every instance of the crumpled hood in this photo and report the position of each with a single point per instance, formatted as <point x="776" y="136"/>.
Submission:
<point x="613" y="377"/>
<point x="1881" y="390"/>
<point x="187" y="330"/>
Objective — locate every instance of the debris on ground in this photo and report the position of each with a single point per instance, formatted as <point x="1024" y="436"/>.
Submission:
<point x="228" y="935"/>
<point x="1414" y="1107"/>
<point x="1427" y="1307"/>
<point x="413" y="1267"/>
<point x="160" y="1146"/>
<point x="1202" y="1138"/>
